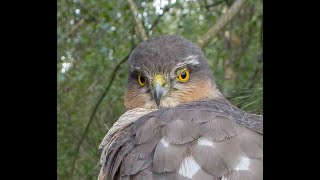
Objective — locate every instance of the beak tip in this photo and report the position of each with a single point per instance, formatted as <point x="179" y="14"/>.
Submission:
<point x="157" y="95"/>
<point x="157" y="99"/>
<point x="158" y="104"/>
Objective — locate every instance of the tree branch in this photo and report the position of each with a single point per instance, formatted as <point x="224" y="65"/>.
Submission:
<point x="221" y="22"/>
<point x="116" y="69"/>
<point x="166" y="9"/>
<point x="214" y="4"/>
<point x="75" y="27"/>
<point x="140" y="29"/>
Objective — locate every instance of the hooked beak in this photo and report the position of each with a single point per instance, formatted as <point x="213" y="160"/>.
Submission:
<point x="158" y="90"/>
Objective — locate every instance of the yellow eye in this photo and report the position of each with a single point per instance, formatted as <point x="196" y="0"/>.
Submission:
<point x="183" y="75"/>
<point x="141" y="80"/>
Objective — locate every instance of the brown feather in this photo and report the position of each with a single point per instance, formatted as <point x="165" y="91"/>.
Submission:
<point x="253" y="171"/>
<point x="167" y="157"/>
<point x="159" y="141"/>
<point x="180" y="131"/>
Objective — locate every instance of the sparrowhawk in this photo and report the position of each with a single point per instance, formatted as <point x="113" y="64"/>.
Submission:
<point x="178" y="125"/>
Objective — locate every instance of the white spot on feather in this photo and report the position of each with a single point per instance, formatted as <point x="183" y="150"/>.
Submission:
<point x="223" y="178"/>
<point x="189" y="167"/>
<point x="164" y="143"/>
<point x="243" y="164"/>
<point x="204" y="142"/>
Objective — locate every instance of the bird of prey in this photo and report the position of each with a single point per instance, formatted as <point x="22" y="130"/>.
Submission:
<point x="178" y="125"/>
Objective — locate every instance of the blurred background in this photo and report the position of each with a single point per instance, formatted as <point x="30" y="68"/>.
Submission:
<point x="95" y="39"/>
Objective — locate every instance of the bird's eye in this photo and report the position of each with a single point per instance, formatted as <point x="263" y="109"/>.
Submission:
<point x="141" y="80"/>
<point x="183" y="75"/>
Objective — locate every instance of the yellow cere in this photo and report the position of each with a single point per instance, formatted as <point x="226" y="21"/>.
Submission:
<point x="159" y="78"/>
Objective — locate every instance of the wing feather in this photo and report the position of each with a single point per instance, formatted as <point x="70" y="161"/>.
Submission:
<point x="207" y="139"/>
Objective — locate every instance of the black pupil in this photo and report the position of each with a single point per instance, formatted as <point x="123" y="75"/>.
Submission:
<point x="142" y="80"/>
<point x="183" y="75"/>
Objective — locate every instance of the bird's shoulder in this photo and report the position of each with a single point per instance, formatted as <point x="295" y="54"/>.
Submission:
<point x="203" y="139"/>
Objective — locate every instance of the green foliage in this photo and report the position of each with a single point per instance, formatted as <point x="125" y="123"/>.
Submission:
<point x="94" y="36"/>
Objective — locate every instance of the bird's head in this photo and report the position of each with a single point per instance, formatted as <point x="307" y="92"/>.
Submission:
<point x="166" y="71"/>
